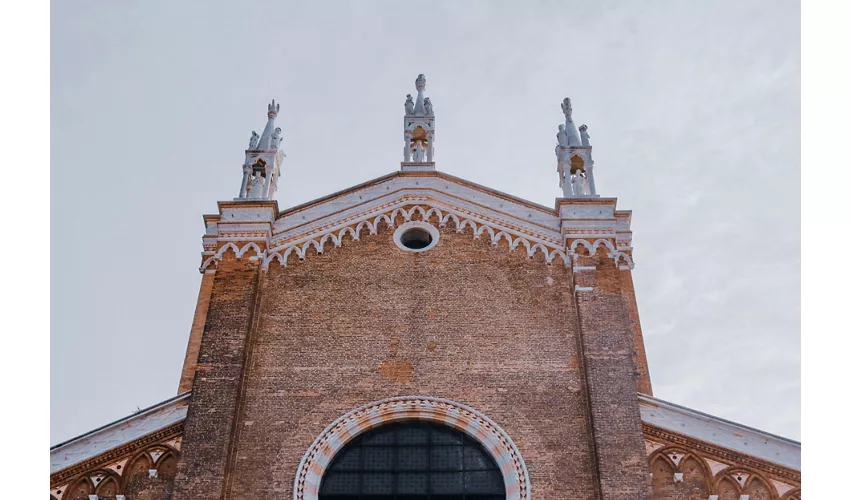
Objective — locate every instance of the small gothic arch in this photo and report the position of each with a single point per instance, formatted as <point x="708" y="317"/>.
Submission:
<point x="136" y="471"/>
<point x="576" y="163"/>
<point x="80" y="489"/>
<point x="166" y="465"/>
<point x="759" y="488"/>
<point x="223" y="251"/>
<point x="109" y="486"/>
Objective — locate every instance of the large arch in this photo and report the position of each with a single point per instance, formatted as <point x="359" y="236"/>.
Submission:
<point x="450" y="413"/>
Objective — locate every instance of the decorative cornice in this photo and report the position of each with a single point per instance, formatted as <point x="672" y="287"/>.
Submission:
<point x="480" y="225"/>
<point x="770" y="469"/>
<point x="157" y="437"/>
<point x="354" y="227"/>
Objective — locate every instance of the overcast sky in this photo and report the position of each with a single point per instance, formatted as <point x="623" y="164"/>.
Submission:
<point x="693" y="110"/>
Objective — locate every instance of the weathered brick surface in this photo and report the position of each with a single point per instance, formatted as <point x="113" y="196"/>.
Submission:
<point x="644" y="383"/>
<point x="215" y="393"/>
<point x="694" y="484"/>
<point x="606" y="337"/>
<point x="465" y="321"/>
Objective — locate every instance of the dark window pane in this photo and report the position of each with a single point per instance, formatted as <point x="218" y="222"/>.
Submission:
<point x="446" y="435"/>
<point x="484" y="482"/>
<point x="474" y="458"/>
<point x="413" y="435"/>
<point x="348" y="459"/>
<point x="340" y="482"/>
<point x="413" y="461"/>
<point x="380" y="438"/>
<point x="446" y="482"/>
<point x="447" y="458"/>
<point x="412" y="483"/>
<point x="412" y="458"/>
<point x="378" y="458"/>
<point x="379" y="482"/>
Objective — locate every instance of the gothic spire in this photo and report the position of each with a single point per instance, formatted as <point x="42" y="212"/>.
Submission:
<point x="262" y="160"/>
<point x="573" y="151"/>
<point x="418" y="130"/>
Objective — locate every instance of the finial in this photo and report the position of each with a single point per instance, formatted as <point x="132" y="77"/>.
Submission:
<point x="273" y="109"/>
<point x="261" y="168"/>
<point x="575" y="163"/>
<point x="567" y="108"/>
<point x="585" y="137"/>
<point x="418" y="130"/>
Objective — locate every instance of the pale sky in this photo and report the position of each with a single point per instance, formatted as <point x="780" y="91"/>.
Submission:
<point x="692" y="107"/>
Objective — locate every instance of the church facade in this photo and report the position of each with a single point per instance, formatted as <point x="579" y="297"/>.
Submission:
<point x="419" y="336"/>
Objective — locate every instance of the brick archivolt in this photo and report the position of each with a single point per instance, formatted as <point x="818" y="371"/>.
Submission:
<point x="717" y="476"/>
<point x="124" y="475"/>
<point x="492" y="437"/>
<point x="372" y="223"/>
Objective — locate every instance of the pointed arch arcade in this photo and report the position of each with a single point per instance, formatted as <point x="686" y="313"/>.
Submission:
<point x="487" y="433"/>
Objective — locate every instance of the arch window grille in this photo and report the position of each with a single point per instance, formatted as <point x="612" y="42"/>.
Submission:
<point x="413" y="460"/>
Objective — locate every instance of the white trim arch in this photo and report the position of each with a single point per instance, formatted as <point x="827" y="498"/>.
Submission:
<point x="493" y="438"/>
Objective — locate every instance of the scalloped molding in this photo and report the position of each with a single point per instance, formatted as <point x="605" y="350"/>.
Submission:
<point x="335" y="436"/>
<point x="355" y="226"/>
<point x="622" y="259"/>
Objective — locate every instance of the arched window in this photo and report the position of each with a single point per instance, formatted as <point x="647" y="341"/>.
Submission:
<point x="413" y="460"/>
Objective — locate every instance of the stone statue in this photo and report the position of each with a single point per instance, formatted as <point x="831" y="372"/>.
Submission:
<point x="276" y="138"/>
<point x="418" y="152"/>
<point x="255" y="188"/>
<point x="573" y="138"/>
<point x="575" y="182"/>
<point x="561" y="175"/>
<point x="429" y="108"/>
<point x="562" y="136"/>
<point x="408" y="105"/>
<point x="580" y="183"/>
<point x="420" y="82"/>
<point x="585" y="137"/>
<point x="255" y="139"/>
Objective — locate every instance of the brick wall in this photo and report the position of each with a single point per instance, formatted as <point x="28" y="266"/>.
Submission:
<point x="218" y="379"/>
<point x="606" y="338"/>
<point x="466" y="320"/>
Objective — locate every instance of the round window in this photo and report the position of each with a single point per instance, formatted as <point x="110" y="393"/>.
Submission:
<point x="416" y="236"/>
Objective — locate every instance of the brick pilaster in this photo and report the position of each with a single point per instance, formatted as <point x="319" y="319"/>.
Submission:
<point x="606" y="339"/>
<point x="207" y="435"/>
